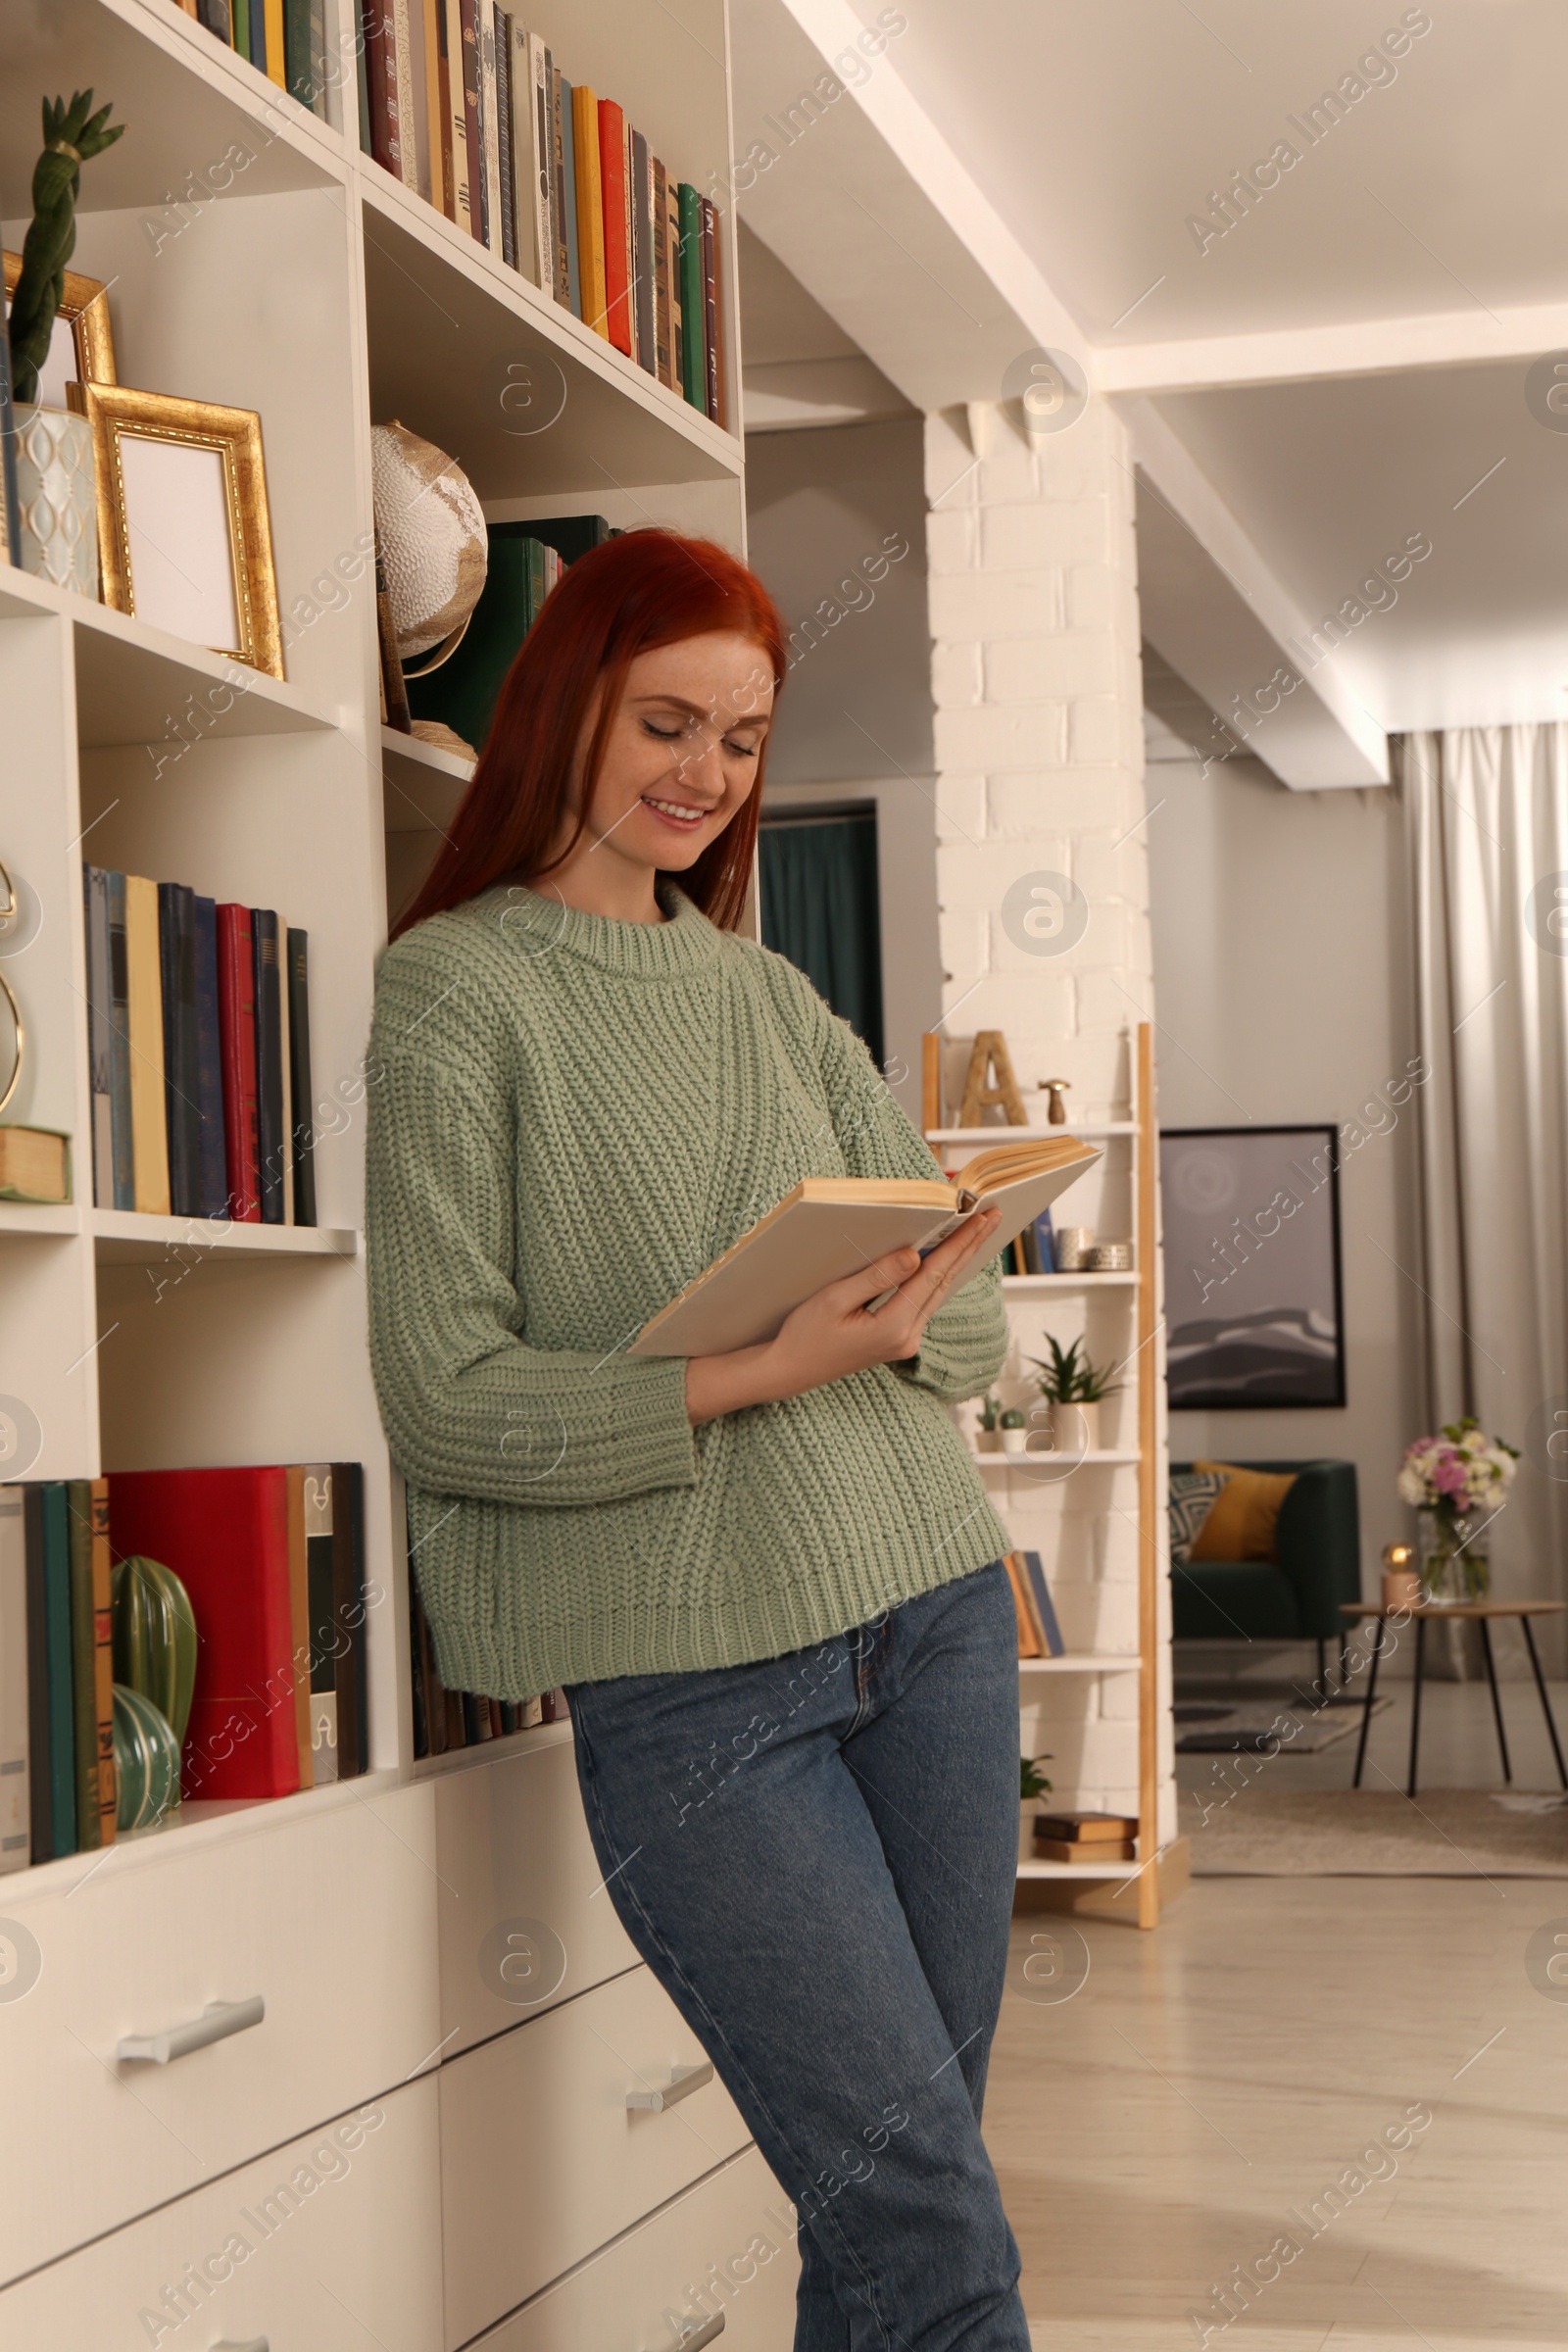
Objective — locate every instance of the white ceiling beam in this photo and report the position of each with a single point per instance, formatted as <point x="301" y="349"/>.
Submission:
<point x="1475" y="337"/>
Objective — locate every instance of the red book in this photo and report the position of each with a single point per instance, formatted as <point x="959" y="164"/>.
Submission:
<point x="617" y="224"/>
<point x="224" y="1533"/>
<point x="236" y="1048"/>
<point x="382" y="86"/>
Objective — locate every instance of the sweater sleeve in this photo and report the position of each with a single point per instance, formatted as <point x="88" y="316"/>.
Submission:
<point x="470" y="1408"/>
<point x="966" y="1342"/>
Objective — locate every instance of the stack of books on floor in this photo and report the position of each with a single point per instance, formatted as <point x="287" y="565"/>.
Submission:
<point x="198" y="1052"/>
<point x="1086" y="1836"/>
<point x="526" y="559"/>
<point x="458" y="102"/>
<point x="444" y="1720"/>
<point x="272" y="1561"/>
<point x="284" y="40"/>
<point x="1039" y="1634"/>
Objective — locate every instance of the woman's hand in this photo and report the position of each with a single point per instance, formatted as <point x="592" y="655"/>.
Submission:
<point x="831" y="1334"/>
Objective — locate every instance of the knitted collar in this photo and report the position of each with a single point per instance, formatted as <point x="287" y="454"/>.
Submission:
<point x="538" y="923"/>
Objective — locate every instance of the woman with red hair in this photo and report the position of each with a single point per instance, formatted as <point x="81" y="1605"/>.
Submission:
<point x="769" y="1580"/>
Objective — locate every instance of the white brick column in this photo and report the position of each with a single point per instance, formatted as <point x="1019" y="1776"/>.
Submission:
<point x="1039" y="755"/>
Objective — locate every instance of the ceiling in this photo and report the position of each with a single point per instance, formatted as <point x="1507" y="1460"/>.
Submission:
<point x="1346" y="366"/>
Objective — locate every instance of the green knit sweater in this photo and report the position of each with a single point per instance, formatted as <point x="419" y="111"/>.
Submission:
<point x="571" y="1116"/>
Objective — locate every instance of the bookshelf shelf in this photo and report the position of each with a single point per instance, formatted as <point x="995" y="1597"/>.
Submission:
<point x="19" y="1218"/>
<point x="422" y="786"/>
<point x="1069" y="1282"/>
<point x="1031" y="1869"/>
<point x="1103" y="1458"/>
<point x="1084" y="1662"/>
<point x="127" y="1236"/>
<point x="1089" y="1130"/>
<point x="494" y="1751"/>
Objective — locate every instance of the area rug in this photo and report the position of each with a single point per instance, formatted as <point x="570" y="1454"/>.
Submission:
<point x="1260" y="1727"/>
<point x="1263" y="1832"/>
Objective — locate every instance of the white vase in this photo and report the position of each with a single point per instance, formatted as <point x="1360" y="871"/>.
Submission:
<point x="1076" y="1428"/>
<point x="56" y="499"/>
<point x="1013" y="1441"/>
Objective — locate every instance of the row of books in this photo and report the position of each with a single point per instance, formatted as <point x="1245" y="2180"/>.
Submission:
<point x="284" y="40"/>
<point x="1039" y="1634"/>
<point x="272" y="1559"/>
<point x="549" y="175"/>
<point x="199" y="1049"/>
<point x="444" y="1720"/>
<point x="1086" y="1836"/>
<point x="1033" y="1251"/>
<point x="524" y="563"/>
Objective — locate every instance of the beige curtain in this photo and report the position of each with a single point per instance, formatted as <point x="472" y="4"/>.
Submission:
<point x="1487" y="824"/>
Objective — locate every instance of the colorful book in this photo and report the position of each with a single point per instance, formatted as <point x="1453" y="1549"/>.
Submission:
<point x="490" y="126"/>
<point x="504" y="134"/>
<point x="267" y="985"/>
<point x="60" y="1688"/>
<point x="711" y="402"/>
<point x="236" y="1033"/>
<point x="84" y="1700"/>
<point x="677" y="321"/>
<point x="537" y="184"/>
<point x="382" y="86"/>
<point x="1023" y="1614"/>
<point x="149" y="1116"/>
<point x="285" y="1133"/>
<point x="646" y="336"/>
<point x="40" y="1771"/>
<point x="299" y="1611"/>
<point x="16" y="1809"/>
<point x="302" y="1131"/>
<point x="589" y="209"/>
<point x="437" y="128"/>
<point x="473" y="117"/>
<point x="569" y="180"/>
<point x="663" y="367"/>
<point x="693" y="363"/>
<point x="1086" y="1829"/>
<point x="241" y="14"/>
<point x="176" y="955"/>
<point x="211" y="1153"/>
<point x="272" y="35"/>
<point x="299" y="65"/>
<point x="361" y="80"/>
<point x="319" y="53"/>
<point x="1069" y="1849"/>
<point x="326" y="1639"/>
<point x="351" y="1670"/>
<point x="1051" y="1644"/>
<point x="95" y="885"/>
<point x="102" y="1691"/>
<point x="124" y="1166"/>
<point x="614" y="224"/>
<point x="400" y="69"/>
<point x="454" y="139"/>
<point x="224" y="1533"/>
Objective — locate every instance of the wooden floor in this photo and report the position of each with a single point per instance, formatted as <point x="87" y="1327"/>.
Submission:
<point x="1192" y="2102"/>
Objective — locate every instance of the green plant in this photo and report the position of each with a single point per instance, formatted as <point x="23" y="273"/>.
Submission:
<point x="1030" y="1781"/>
<point x="72" y="137"/>
<point x="1070" y="1378"/>
<point x="1014" y="1418"/>
<point x="990" y="1409"/>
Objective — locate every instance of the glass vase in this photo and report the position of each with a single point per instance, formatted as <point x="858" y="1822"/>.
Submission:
<point x="1453" y="1569"/>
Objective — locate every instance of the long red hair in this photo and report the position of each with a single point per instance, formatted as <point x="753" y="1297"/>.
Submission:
<point x="645" y="589"/>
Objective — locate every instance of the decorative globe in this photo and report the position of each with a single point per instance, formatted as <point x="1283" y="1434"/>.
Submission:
<point x="431" y="531"/>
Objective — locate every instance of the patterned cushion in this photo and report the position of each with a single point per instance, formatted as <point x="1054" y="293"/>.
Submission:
<point x="1191" y="1494"/>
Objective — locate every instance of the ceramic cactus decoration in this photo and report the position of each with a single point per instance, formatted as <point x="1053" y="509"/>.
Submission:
<point x="72" y="136"/>
<point x="154" y="1638"/>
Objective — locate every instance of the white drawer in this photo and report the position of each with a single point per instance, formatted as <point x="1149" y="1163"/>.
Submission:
<point x="355" y="2260"/>
<point x="525" y="1920"/>
<point x="541" y="2158"/>
<point x="331" y="1919"/>
<point x="730" y="2239"/>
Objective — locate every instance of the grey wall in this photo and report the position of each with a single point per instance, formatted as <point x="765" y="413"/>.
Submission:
<point x="824" y="510"/>
<point x="1278" y="962"/>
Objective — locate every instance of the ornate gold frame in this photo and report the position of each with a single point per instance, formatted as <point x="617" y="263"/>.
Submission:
<point x="116" y="413"/>
<point x="84" y="303"/>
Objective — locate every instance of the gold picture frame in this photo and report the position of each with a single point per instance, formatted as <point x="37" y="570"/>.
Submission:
<point x="180" y="516"/>
<point x="84" y="306"/>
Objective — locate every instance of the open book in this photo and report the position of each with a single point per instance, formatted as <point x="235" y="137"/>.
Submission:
<point x="830" y="1226"/>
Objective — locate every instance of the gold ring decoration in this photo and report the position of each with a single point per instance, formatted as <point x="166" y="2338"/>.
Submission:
<point x="16" y="1015"/>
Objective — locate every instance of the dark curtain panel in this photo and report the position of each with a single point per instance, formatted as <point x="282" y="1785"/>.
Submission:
<point x="819" y="909"/>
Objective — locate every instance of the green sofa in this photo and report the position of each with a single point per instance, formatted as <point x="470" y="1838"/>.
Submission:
<point x="1295" y="1597"/>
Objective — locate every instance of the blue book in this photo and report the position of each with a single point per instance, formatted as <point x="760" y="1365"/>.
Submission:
<point x="568" y="153"/>
<point x="1044" y="1606"/>
<point x="1046" y="1242"/>
<point x="124" y="1166"/>
<point x="212" y="1166"/>
<point x="62" y="1689"/>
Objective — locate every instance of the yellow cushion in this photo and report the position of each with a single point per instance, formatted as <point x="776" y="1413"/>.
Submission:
<point x="1242" y="1518"/>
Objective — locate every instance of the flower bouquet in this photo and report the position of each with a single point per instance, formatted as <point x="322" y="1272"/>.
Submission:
<point x="1459" y="1481"/>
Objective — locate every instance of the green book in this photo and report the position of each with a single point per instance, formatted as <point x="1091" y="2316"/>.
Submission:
<point x="242" y="27"/>
<point x="693" y="299"/>
<point x="61" y="1666"/>
<point x="536" y="577"/>
<point x="462" y="691"/>
<point x="84" y="1663"/>
<point x="299" y="71"/>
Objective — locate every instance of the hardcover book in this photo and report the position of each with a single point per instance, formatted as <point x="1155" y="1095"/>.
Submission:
<point x="15" y="1807"/>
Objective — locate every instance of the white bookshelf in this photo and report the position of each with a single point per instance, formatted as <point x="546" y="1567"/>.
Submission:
<point x="320" y="294"/>
<point x="1116" y="1316"/>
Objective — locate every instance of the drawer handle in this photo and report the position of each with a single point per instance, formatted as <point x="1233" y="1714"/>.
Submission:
<point x="683" y="2080"/>
<point x="216" y="2023"/>
<point x="690" y="2340"/>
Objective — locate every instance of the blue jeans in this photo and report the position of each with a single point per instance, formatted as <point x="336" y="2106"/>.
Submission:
<point x="814" y="1854"/>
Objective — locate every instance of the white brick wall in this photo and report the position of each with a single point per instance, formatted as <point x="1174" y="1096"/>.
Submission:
<point x="1039" y="748"/>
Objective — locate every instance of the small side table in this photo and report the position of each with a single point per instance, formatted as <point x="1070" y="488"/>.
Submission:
<point x="1482" y="1611"/>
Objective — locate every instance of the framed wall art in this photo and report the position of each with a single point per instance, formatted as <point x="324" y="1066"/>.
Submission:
<point x="81" y="349"/>
<point x="184" y="539"/>
<point x="1251" y="1250"/>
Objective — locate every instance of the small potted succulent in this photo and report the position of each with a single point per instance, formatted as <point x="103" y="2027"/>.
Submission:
<point x="987" y="1437"/>
<point x="1014" y="1426"/>
<point x="1074" y="1387"/>
<point x="1032" y="1783"/>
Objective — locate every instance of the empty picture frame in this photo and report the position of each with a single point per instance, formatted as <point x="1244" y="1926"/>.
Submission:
<point x="184" y="539"/>
<point x="81" y="349"/>
<point x="1251" y="1259"/>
